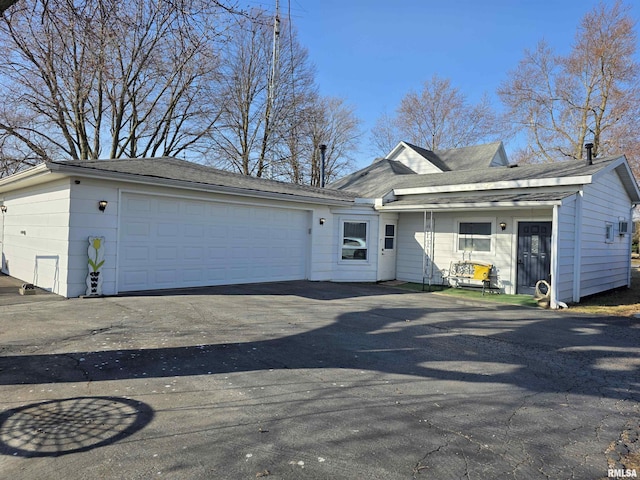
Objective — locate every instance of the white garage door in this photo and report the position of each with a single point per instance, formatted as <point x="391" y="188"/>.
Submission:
<point x="168" y="242"/>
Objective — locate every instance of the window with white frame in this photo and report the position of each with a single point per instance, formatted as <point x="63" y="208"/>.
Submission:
<point x="474" y="236"/>
<point x="608" y="232"/>
<point x="354" y="240"/>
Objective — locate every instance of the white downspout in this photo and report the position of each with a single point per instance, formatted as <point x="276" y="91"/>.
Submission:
<point x="432" y="247"/>
<point x="630" y="243"/>
<point x="577" y="247"/>
<point x="555" y="270"/>
<point x="424" y="246"/>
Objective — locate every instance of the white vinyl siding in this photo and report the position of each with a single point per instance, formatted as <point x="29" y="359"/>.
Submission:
<point x="35" y="237"/>
<point x="605" y="265"/>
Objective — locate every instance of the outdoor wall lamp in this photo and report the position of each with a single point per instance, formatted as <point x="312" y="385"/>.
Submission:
<point x="503" y="225"/>
<point x="322" y="220"/>
<point x="102" y="205"/>
<point x="3" y="208"/>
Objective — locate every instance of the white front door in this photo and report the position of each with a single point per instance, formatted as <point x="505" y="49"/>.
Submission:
<point x="387" y="257"/>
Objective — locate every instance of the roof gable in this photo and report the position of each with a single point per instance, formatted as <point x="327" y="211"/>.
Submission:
<point x="418" y="159"/>
<point x="424" y="161"/>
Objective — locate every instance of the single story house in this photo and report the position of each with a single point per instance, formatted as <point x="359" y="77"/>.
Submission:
<point x="159" y="223"/>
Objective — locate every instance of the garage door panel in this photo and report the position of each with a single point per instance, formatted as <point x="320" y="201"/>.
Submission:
<point x="182" y="242"/>
<point x="164" y="277"/>
<point x="193" y="230"/>
<point x="166" y="206"/>
<point x="138" y="204"/>
<point x="166" y="230"/>
<point x="193" y="253"/>
<point x="216" y="254"/>
<point x="139" y="229"/>
<point x="133" y="278"/>
<point x="166" y="254"/>
<point x="134" y="253"/>
<point x="192" y="275"/>
<point x="194" y="209"/>
<point x="216" y="231"/>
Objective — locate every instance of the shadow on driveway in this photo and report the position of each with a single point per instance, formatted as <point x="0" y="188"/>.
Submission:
<point x="543" y="353"/>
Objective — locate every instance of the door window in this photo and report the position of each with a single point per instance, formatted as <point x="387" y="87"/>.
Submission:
<point x="389" y="237"/>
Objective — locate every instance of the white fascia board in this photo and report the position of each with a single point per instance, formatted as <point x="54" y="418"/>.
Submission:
<point x="27" y="178"/>
<point x="30" y="174"/>
<point x="504" y="185"/>
<point x="366" y="201"/>
<point x="467" y="206"/>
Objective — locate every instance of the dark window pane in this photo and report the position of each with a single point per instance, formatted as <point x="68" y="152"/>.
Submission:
<point x="388" y="243"/>
<point x="389" y="230"/>
<point x="469" y="228"/>
<point x="355" y="230"/>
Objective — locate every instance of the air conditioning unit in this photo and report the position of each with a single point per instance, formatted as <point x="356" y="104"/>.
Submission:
<point x="623" y="227"/>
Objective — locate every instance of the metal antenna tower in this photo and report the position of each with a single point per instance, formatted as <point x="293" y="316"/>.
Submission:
<point x="275" y="56"/>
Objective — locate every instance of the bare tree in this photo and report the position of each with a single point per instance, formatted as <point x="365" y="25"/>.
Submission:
<point x="437" y="118"/>
<point x="589" y="95"/>
<point x="242" y="93"/>
<point x="385" y="134"/>
<point x="258" y="126"/>
<point x="336" y="126"/>
<point x="107" y="78"/>
<point x="277" y="137"/>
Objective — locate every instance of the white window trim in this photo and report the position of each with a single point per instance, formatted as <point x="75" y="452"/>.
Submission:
<point x="608" y="232"/>
<point x="354" y="261"/>
<point x="492" y="236"/>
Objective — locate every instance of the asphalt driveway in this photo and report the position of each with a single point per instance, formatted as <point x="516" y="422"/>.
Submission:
<point x="303" y="380"/>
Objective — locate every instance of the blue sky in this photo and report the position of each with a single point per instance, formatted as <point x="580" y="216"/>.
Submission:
<point x="373" y="52"/>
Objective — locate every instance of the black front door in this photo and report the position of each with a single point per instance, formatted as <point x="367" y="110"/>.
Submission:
<point x="534" y="255"/>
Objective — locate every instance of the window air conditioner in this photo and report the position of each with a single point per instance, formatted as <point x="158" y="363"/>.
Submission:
<point x="623" y="228"/>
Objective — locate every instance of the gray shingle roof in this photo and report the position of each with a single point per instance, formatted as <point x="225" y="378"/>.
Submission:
<point x="193" y="174"/>
<point x="501" y="174"/>
<point x="382" y="183"/>
<point x="368" y="181"/>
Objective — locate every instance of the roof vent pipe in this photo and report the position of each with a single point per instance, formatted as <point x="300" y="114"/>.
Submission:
<point x="323" y="148"/>
<point x="589" y="146"/>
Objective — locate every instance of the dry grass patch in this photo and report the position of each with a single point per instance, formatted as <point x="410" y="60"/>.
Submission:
<point x="624" y="302"/>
